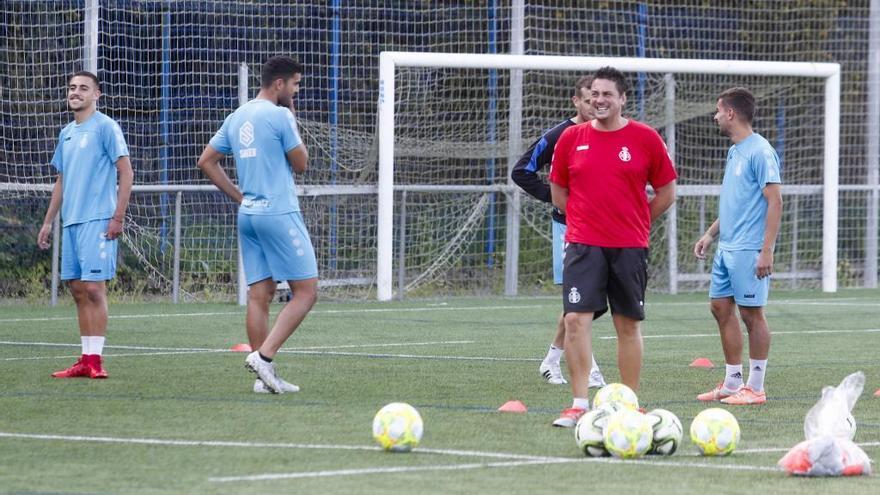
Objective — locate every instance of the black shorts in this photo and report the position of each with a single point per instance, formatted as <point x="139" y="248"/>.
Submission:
<point x="593" y="277"/>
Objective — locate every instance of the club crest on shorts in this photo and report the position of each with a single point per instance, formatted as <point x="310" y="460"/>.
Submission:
<point x="624" y="154"/>
<point x="574" y="296"/>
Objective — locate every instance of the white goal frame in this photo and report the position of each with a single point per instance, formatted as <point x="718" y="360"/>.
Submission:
<point x="389" y="61"/>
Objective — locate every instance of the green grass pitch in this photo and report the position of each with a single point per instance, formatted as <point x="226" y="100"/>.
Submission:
<point x="177" y="414"/>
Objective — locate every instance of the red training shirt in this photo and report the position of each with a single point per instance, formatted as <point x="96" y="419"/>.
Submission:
<point x="605" y="174"/>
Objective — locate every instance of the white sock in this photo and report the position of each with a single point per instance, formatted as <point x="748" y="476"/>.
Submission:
<point x="554" y="354"/>
<point x="96" y="345"/>
<point x="757" y="367"/>
<point x="581" y="403"/>
<point x="733" y="376"/>
<point x="85" y="345"/>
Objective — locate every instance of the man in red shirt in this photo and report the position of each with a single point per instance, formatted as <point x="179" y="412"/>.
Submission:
<point x="598" y="178"/>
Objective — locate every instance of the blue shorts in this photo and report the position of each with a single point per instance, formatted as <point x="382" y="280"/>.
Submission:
<point x="276" y="246"/>
<point x="86" y="254"/>
<point x="734" y="275"/>
<point x="558" y="250"/>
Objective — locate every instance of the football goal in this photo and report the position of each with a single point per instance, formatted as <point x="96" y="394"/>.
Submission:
<point x="451" y="126"/>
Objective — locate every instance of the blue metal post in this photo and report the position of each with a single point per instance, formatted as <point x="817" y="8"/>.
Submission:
<point x="334" y="122"/>
<point x="492" y="132"/>
<point x="164" y="125"/>
<point x="643" y="34"/>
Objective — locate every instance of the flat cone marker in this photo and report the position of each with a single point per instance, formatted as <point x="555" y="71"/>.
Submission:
<point x="241" y="348"/>
<point x="877" y="393"/>
<point x="702" y="363"/>
<point x="513" y="406"/>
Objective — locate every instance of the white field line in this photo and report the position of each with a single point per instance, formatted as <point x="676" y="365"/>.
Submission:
<point x="198" y="349"/>
<point x="265" y="445"/>
<point x="318" y="350"/>
<point x="513" y="459"/>
<point x="435" y="307"/>
<point x="770" y="450"/>
<point x="133" y="354"/>
<point x="390" y="470"/>
<point x="488" y="465"/>
<point x="773" y="333"/>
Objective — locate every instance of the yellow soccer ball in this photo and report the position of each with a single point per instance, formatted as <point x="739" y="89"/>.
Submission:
<point x="715" y="432"/>
<point x="628" y="434"/>
<point x="616" y="392"/>
<point x="398" y="427"/>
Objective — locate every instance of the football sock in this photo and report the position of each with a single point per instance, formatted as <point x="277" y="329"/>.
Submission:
<point x="581" y="403"/>
<point x="554" y="354"/>
<point x="96" y="344"/>
<point x="264" y="358"/>
<point x="757" y="367"/>
<point x="85" y="345"/>
<point x="733" y="376"/>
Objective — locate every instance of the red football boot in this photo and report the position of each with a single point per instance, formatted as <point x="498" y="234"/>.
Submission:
<point x="96" y="370"/>
<point x="79" y="370"/>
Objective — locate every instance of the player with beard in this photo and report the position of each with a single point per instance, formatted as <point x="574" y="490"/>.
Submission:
<point x="263" y="137"/>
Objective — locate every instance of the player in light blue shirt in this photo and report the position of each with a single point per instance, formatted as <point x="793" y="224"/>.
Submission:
<point x="263" y="138"/>
<point x="750" y="212"/>
<point x="91" y="157"/>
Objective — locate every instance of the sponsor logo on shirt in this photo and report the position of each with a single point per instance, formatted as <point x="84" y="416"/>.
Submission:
<point x="84" y="141"/>
<point x="246" y="134"/>
<point x="255" y="203"/>
<point x="246" y="138"/>
<point x="624" y="154"/>
<point x="582" y="147"/>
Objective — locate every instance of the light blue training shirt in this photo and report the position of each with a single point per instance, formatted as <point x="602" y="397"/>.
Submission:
<point x="86" y="157"/>
<point x="751" y="165"/>
<point x="259" y="134"/>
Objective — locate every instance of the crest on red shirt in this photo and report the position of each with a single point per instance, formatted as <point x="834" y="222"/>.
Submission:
<point x="624" y="154"/>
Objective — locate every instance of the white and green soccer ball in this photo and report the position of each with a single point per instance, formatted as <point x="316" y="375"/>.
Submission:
<point x="616" y="392"/>
<point x="398" y="427"/>
<point x="667" y="432"/>
<point x="715" y="432"/>
<point x="589" y="433"/>
<point x="628" y="434"/>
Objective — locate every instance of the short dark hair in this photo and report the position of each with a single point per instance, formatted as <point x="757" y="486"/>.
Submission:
<point x="741" y="101"/>
<point x="279" y="67"/>
<point x="88" y="74"/>
<point x="612" y="74"/>
<point x="583" y="82"/>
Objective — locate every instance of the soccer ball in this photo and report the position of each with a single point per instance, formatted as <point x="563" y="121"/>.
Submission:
<point x="715" y="432"/>
<point x="628" y="434"/>
<point x="616" y="392"/>
<point x="590" y="432"/>
<point x="667" y="432"/>
<point x="398" y="427"/>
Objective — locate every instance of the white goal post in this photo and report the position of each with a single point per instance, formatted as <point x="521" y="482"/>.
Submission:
<point x="390" y="61"/>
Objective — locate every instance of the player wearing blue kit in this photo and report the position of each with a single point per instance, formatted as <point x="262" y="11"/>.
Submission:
<point x="91" y="157"/>
<point x="750" y="211"/>
<point x="525" y="175"/>
<point x="263" y="138"/>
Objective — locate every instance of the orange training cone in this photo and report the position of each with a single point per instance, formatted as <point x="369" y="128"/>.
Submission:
<point x="877" y="393"/>
<point x="702" y="363"/>
<point x="513" y="406"/>
<point x="241" y="348"/>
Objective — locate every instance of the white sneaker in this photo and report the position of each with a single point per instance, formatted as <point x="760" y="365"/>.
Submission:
<point x="260" y="387"/>
<point x="552" y="373"/>
<point x="265" y="372"/>
<point x="596" y="378"/>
